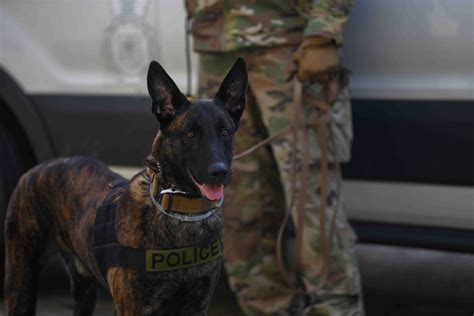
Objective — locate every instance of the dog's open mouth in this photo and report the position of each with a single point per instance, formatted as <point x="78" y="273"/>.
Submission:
<point x="212" y="192"/>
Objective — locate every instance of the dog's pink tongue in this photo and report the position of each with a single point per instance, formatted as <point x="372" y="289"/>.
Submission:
<point x="212" y="192"/>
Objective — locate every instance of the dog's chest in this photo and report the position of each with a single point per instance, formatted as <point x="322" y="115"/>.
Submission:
<point x="161" y="231"/>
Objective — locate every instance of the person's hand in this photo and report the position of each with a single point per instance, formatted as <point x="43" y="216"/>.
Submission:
<point x="316" y="58"/>
<point x="190" y="7"/>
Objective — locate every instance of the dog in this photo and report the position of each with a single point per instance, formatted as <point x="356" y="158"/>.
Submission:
<point x="63" y="205"/>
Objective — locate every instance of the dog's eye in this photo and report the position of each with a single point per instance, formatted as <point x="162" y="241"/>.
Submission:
<point x="190" y="135"/>
<point x="224" y="133"/>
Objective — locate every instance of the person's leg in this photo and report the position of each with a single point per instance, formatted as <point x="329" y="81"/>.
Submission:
<point x="253" y="207"/>
<point x="341" y="293"/>
<point x="269" y="73"/>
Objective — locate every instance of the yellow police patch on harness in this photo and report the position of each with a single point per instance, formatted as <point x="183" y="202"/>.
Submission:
<point x="172" y="259"/>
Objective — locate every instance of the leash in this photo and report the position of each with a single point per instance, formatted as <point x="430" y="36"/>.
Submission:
<point x="187" y="44"/>
<point x="319" y="123"/>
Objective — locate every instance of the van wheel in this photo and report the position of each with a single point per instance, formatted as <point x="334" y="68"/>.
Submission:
<point x="11" y="166"/>
<point x="13" y="163"/>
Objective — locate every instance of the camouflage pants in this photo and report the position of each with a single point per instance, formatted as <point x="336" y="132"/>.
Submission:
<point x="260" y="187"/>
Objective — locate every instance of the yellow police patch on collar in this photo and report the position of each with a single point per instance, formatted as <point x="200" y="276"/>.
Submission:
<point x="180" y="258"/>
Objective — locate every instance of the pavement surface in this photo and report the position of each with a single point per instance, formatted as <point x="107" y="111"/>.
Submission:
<point x="60" y="305"/>
<point x="54" y="299"/>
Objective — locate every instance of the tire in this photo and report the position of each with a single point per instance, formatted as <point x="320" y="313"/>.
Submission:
<point x="15" y="158"/>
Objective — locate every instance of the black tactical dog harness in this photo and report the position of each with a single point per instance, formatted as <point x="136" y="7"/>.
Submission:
<point x="110" y="253"/>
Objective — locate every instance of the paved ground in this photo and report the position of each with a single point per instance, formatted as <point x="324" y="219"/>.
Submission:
<point x="60" y="305"/>
<point x="54" y="300"/>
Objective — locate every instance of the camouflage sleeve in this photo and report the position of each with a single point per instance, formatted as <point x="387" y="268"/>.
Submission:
<point x="327" y="18"/>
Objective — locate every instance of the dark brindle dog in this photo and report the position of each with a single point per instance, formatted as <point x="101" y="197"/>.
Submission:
<point x="55" y="204"/>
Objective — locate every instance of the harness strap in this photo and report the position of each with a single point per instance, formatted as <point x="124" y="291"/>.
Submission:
<point x="158" y="260"/>
<point x="104" y="229"/>
<point x="110" y="253"/>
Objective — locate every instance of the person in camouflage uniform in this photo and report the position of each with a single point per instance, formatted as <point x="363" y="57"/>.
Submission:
<point x="271" y="36"/>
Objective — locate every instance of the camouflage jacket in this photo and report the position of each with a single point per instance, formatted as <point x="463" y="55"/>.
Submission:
<point x="227" y="25"/>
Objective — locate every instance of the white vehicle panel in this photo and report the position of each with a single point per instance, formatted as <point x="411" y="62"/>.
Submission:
<point x="409" y="203"/>
<point x="411" y="49"/>
<point x="407" y="49"/>
<point x="61" y="47"/>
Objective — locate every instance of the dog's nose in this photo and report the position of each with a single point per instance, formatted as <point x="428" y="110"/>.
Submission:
<point x="217" y="170"/>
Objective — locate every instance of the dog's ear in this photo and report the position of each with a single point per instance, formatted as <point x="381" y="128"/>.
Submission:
<point x="166" y="97"/>
<point x="233" y="90"/>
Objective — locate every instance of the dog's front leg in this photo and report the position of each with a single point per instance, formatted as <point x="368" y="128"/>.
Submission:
<point x="120" y="281"/>
<point x="136" y="294"/>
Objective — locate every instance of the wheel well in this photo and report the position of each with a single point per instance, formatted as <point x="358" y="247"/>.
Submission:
<point x="23" y="147"/>
<point x="17" y="158"/>
<point x="24" y="121"/>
